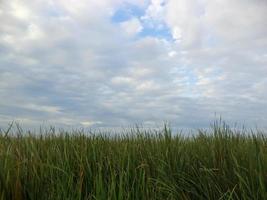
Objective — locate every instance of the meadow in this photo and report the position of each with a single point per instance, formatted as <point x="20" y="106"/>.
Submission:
<point x="217" y="163"/>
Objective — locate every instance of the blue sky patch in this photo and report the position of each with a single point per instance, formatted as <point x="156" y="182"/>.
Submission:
<point x="129" y="11"/>
<point x="164" y="32"/>
<point x="126" y="12"/>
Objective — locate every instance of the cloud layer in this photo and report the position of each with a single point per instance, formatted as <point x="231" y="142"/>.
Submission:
<point x="113" y="63"/>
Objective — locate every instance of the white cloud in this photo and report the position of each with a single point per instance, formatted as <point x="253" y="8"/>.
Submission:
<point x="155" y="10"/>
<point x="34" y="32"/>
<point x="90" y="123"/>
<point x="64" y="62"/>
<point x="19" y="10"/>
<point x="41" y="108"/>
<point x="172" y="53"/>
<point x="197" y="22"/>
<point x="120" y="80"/>
<point x="132" y="26"/>
<point x="237" y="20"/>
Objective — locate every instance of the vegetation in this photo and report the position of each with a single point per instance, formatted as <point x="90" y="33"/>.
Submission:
<point x="220" y="163"/>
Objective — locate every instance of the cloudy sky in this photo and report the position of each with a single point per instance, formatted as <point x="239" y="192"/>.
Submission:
<point x="109" y="63"/>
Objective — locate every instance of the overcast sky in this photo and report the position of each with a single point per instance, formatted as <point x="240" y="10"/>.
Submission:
<point x="108" y="63"/>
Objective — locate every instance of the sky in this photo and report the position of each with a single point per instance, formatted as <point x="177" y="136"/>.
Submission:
<point x="112" y="63"/>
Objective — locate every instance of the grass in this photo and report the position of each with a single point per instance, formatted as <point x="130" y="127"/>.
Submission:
<point x="216" y="164"/>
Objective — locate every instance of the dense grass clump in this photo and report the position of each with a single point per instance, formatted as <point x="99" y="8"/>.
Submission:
<point x="216" y="164"/>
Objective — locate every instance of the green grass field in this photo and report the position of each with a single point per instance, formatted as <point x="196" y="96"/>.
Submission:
<point x="217" y="164"/>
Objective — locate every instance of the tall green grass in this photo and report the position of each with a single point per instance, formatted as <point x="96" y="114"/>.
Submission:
<point x="217" y="164"/>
